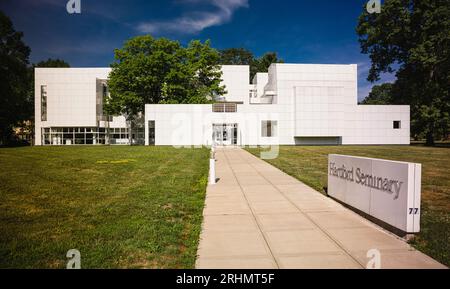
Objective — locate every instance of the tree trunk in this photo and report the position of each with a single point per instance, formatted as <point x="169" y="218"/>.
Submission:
<point x="130" y="133"/>
<point x="107" y="131"/>
<point x="430" y="139"/>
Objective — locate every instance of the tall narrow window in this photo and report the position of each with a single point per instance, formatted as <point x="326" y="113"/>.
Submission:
<point x="43" y="102"/>
<point x="151" y="133"/>
<point x="269" y="128"/>
<point x="104" y="91"/>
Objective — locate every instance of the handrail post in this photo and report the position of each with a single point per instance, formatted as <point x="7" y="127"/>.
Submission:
<point x="212" y="166"/>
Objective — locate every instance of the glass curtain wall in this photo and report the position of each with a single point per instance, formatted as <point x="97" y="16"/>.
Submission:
<point x="84" y="136"/>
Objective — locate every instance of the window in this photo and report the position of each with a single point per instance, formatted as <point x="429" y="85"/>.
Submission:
<point x="397" y="124"/>
<point x="269" y="128"/>
<point x="43" y="102"/>
<point x="225" y="107"/>
<point x="105" y="92"/>
<point x="83" y="136"/>
<point x="151" y="133"/>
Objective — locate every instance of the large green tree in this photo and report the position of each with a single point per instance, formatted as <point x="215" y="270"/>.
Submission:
<point x="242" y="56"/>
<point x="412" y="38"/>
<point x="380" y="95"/>
<point x="239" y="56"/>
<point x="52" y="63"/>
<point x="14" y="78"/>
<point x="197" y="78"/>
<point x="263" y="63"/>
<point x="152" y="71"/>
<point x="236" y="56"/>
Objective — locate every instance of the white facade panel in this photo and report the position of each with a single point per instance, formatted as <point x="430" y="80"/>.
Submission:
<point x="71" y="97"/>
<point x="236" y="79"/>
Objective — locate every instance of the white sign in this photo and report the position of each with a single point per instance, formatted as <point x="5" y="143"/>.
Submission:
<point x="387" y="190"/>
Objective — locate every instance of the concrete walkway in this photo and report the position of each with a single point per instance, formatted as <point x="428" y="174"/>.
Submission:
<point x="258" y="217"/>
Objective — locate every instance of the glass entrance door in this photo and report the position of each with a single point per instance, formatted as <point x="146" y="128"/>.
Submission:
<point x="225" y="134"/>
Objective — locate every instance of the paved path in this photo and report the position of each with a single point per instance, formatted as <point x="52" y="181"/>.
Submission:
<point x="258" y="217"/>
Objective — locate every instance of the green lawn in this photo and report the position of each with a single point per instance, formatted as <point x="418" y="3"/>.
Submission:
<point x="121" y="207"/>
<point x="310" y="165"/>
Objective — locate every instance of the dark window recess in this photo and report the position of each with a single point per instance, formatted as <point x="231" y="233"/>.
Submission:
<point x="397" y="124"/>
<point x="43" y="103"/>
<point x="268" y="128"/>
<point x="151" y="133"/>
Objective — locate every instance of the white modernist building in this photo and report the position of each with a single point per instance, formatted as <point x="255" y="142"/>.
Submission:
<point x="292" y="104"/>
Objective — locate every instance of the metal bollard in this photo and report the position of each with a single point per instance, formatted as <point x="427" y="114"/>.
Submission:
<point x="212" y="172"/>
<point x="212" y="167"/>
<point x="213" y="152"/>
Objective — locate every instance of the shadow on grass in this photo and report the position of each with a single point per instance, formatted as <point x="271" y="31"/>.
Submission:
<point x="445" y="144"/>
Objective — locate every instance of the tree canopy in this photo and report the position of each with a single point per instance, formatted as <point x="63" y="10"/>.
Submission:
<point x="236" y="56"/>
<point x="263" y="63"/>
<point x="242" y="56"/>
<point x="154" y="71"/>
<point x="14" y="56"/>
<point x="412" y="38"/>
<point x="380" y="95"/>
<point x="52" y="63"/>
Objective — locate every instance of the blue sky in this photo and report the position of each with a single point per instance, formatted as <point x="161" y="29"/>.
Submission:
<point x="301" y="31"/>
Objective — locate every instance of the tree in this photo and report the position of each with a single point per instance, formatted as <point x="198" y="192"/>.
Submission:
<point x="152" y="71"/>
<point x="380" y="95"/>
<point x="263" y="63"/>
<point x="197" y="78"/>
<point x="411" y="38"/>
<point x="52" y="63"/>
<point x="236" y="56"/>
<point x="139" y="73"/>
<point x="239" y="56"/>
<point x="242" y="56"/>
<point x="14" y="78"/>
